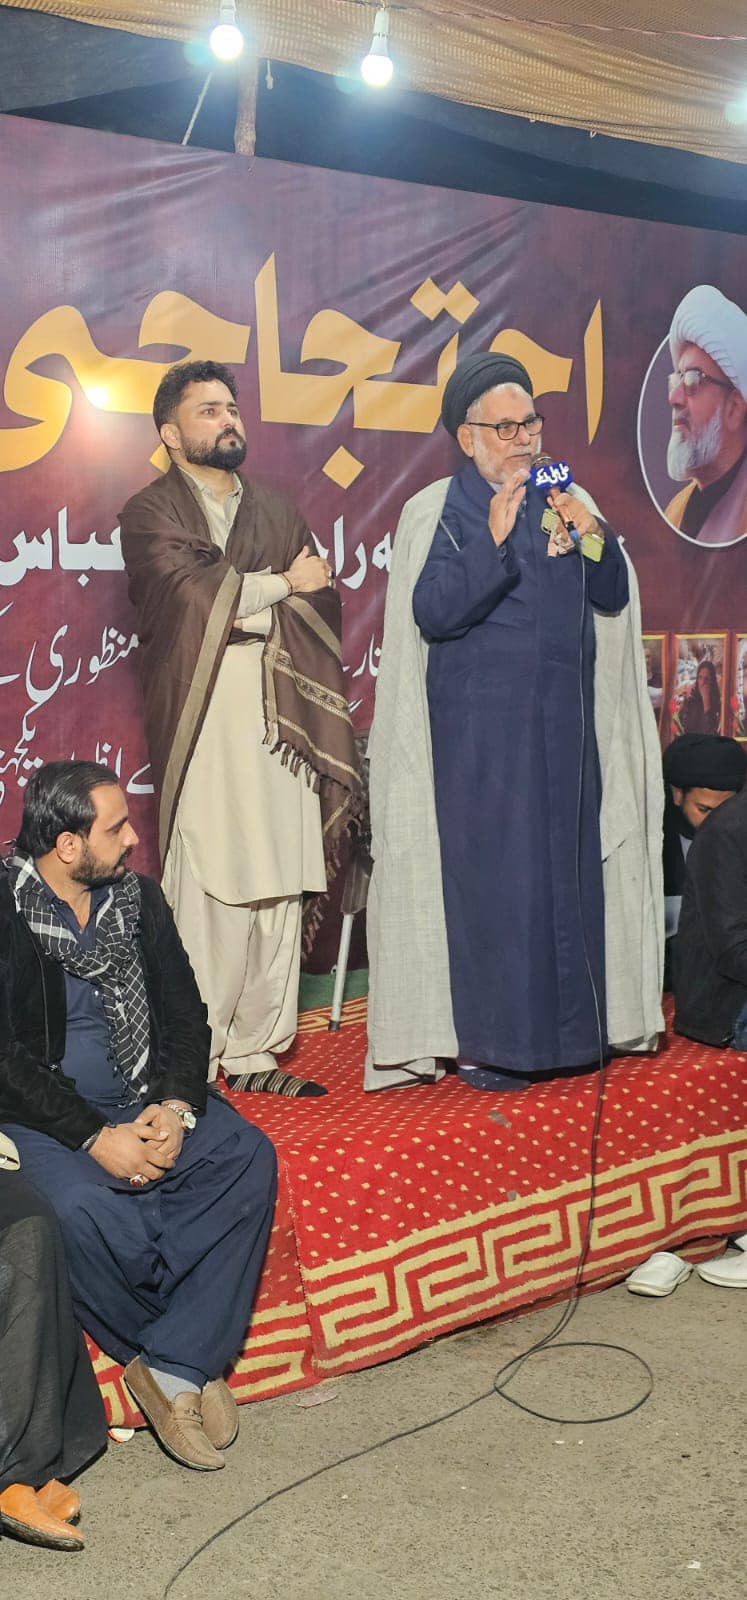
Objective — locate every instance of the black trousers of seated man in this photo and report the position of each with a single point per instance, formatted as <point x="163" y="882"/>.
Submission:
<point x="51" y="1416"/>
<point x="169" y="1271"/>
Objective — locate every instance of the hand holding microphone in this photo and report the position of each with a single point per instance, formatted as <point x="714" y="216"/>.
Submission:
<point x="574" y="515"/>
<point x="576" y="523"/>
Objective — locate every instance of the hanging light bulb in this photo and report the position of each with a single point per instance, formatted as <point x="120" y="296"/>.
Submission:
<point x="376" y="67"/>
<point x="226" y="39"/>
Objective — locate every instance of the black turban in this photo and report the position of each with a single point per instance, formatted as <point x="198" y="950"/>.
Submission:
<point x="473" y="376"/>
<point x="705" y="761"/>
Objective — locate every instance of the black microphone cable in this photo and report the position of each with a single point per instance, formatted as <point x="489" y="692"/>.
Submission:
<point x="507" y="1373"/>
<point x="510" y="1370"/>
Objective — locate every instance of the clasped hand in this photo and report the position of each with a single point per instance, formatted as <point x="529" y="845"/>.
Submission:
<point x="145" y="1148"/>
<point x="307" y="573"/>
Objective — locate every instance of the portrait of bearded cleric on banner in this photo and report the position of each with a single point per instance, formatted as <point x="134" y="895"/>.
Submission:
<point x="692" y="421"/>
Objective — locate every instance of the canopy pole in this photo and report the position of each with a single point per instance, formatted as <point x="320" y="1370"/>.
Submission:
<point x="245" y="131"/>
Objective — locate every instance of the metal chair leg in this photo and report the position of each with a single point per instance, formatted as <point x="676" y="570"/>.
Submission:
<point x="341" y="972"/>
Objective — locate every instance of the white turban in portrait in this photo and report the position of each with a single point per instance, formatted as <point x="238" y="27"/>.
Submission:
<point x="706" y="318"/>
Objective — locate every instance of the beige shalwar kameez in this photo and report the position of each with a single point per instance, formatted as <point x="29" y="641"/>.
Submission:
<point x="246" y="844"/>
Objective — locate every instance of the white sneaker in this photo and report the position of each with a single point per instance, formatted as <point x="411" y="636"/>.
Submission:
<point x="660" y="1275"/>
<point x="729" y="1272"/>
<point x="739" y="1241"/>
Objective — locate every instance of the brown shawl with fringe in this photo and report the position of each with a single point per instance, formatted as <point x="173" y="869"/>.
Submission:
<point x="186" y="593"/>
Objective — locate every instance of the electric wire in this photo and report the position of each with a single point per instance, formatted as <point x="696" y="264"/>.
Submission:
<point x="548" y="1343"/>
<point x="197" y="109"/>
<point x="507" y="1373"/>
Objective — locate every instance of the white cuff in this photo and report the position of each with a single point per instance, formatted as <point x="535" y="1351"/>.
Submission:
<point x="260" y="590"/>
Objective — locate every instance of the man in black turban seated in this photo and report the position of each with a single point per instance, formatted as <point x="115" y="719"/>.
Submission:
<point x="710" y="948"/>
<point x="701" y="770"/>
<point x="515" y="913"/>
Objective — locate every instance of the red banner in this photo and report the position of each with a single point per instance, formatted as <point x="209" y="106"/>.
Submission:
<point x="342" y="302"/>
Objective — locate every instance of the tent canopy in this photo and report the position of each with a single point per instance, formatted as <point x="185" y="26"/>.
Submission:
<point x="627" y="68"/>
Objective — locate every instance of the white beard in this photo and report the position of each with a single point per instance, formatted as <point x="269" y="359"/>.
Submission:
<point x="687" y="452"/>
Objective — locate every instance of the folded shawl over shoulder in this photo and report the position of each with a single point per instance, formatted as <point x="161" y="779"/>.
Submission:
<point x="410" y="1014"/>
<point x="186" y="592"/>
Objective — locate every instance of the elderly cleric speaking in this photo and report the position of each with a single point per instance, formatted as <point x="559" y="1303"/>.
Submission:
<point x="512" y="894"/>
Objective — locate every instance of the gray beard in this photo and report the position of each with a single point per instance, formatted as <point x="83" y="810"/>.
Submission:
<point x="687" y="452"/>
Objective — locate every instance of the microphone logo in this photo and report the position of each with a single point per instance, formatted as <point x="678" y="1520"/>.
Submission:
<point x="547" y="474"/>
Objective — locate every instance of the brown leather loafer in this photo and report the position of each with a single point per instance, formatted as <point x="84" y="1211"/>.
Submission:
<point x="59" y="1500"/>
<point x="176" y="1423"/>
<point x="21" y="1513"/>
<point x="220" y="1414"/>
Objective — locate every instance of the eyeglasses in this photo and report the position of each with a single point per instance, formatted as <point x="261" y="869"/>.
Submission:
<point x="508" y="430"/>
<point x="692" y="379"/>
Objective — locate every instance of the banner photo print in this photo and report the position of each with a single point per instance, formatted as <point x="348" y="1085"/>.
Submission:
<point x="342" y="302"/>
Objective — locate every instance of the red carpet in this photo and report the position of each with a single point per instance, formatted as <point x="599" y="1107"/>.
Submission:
<point x="408" y="1213"/>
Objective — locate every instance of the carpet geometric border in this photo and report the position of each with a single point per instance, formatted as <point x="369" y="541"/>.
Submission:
<point x="409" y="1214"/>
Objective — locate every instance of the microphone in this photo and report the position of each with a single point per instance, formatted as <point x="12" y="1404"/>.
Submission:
<point x="548" y="474"/>
<point x="549" y="477"/>
<point x="552" y="477"/>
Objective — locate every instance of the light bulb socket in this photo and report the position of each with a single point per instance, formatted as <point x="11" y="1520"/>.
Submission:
<point x="380" y="40"/>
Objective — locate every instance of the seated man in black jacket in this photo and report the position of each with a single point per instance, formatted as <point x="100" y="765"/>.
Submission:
<point x="165" y="1195"/>
<point x="710" y="953"/>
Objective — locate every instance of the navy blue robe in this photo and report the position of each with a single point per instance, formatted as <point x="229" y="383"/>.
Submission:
<point x="511" y="699"/>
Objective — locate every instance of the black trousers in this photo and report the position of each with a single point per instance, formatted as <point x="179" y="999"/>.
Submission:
<point x="169" y="1271"/>
<point x="51" y="1415"/>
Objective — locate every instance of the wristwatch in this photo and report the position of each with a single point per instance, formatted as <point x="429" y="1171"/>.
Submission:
<point x="92" y="1137"/>
<point x="187" y="1118"/>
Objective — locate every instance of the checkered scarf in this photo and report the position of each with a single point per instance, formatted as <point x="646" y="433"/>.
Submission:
<point x="114" y="962"/>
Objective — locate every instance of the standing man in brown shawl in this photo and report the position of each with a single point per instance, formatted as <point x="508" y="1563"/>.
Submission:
<point x="246" y="719"/>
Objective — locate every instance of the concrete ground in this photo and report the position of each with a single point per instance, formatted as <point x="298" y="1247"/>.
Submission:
<point x="492" y="1503"/>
